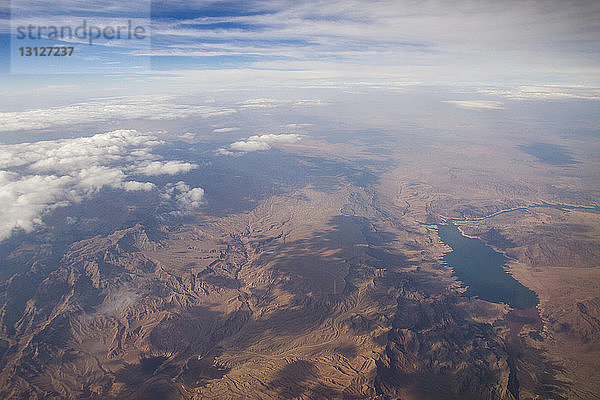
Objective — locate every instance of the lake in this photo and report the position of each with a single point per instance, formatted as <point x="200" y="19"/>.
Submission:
<point x="481" y="268"/>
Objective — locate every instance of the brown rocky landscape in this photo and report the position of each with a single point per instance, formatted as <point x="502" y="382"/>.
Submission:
<point x="333" y="288"/>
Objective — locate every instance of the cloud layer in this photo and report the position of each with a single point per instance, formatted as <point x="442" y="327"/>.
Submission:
<point x="38" y="177"/>
<point x="551" y="92"/>
<point x="476" y="104"/>
<point x="435" y="42"/>
<point x="432" y="40"/>
<point x="106" y="110"/>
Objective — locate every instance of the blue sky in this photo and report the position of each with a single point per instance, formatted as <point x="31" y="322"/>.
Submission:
<point x="501" y="44"/>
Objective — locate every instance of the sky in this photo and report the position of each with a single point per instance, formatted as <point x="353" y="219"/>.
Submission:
<point x="207" y="44"/>
<point x="70" y="126"/>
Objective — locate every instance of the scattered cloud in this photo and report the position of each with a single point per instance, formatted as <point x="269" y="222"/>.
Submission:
<point x="476" y="104"/>
<point x="38" y="177"/>
<point x="259" y="142"/>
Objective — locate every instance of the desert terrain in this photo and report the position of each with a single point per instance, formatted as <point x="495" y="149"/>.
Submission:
<point x="318" y="274"/>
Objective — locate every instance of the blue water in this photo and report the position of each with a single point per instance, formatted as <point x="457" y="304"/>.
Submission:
<point x="566" y="207"/>
<point x="481" y="268"/>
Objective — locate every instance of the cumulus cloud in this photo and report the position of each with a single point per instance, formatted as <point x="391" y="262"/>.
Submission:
<point x="24" y="199"/>
<point x="476" y="104"/>
<point x="224" y="152"/>
<point x="259" y="142"/>
<point x="133" y="186"/>
<point x="38" y="177"/>
<point x="165" y="168"/>
<point x="187" y="198"/>
<point x="105" y="110"/>
<point x="250" y="145"/>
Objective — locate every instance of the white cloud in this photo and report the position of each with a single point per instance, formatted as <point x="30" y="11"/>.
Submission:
<point x="476" y="104"/>
<point x="95" y="178"/>
<point x="432" y="41"/>
<point x="68" y="154"/>
<point x="261" y="103"/>
<point x="250" y="145"/>
<point x="225" y="130"/>
<point x="225" y="152"/>
<point x="191" y="199"/>
<point x="260" y="142"/>
<point x="309" y="102"/>
<point x="133" y="186"/>
<point x="165" y="168"/>
<point x="296" y="125"/>
<point x="188" y="135"/>
<point x="38" y="177"/>
<point x="25" y="198"/>
<point x="272" y="103"/>
<point x="106" y="110"/>
<point x="187" y="198"/>
<point x="550" y="93"/>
